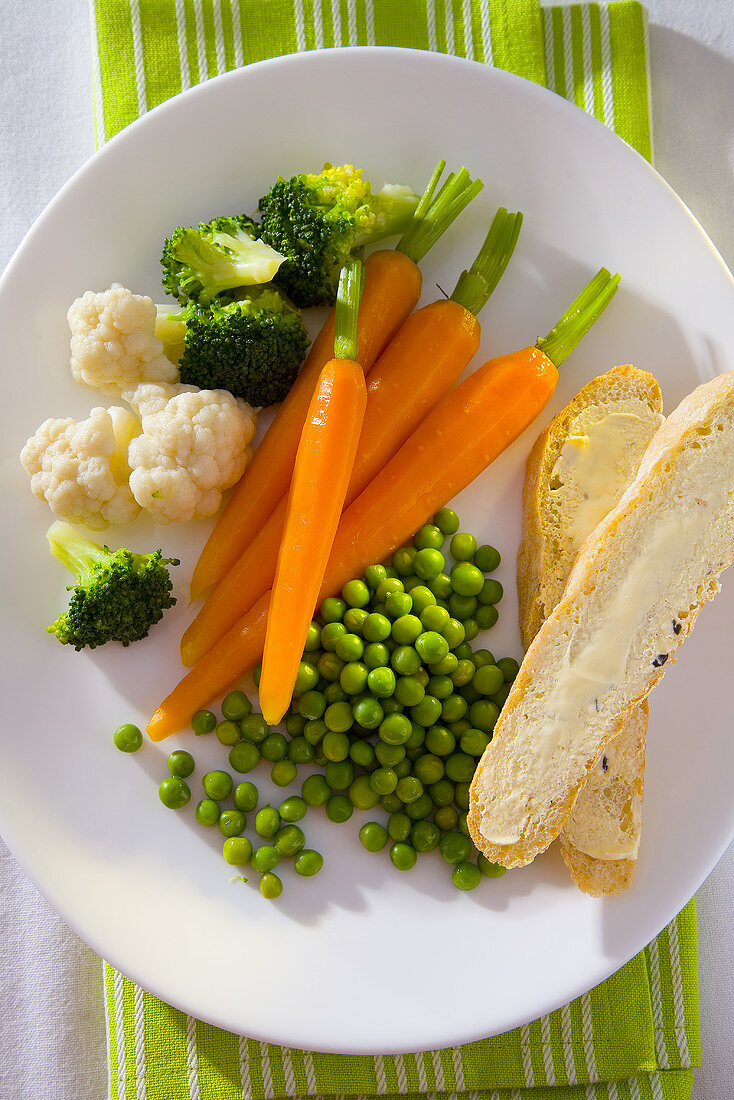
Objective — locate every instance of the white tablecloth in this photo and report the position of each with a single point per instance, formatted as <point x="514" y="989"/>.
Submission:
<point x="51" y="1016"/>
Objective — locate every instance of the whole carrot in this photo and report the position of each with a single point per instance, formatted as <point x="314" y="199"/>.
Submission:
<point x="466" y="431"/>
<point x="391" y="291"/>
<point x="321" y="473"/>
<point x="420" y="364"/>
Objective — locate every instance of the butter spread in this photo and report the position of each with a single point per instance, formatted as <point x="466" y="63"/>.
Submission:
<point x="596" y="464"/>
<point x="564" y="728"/>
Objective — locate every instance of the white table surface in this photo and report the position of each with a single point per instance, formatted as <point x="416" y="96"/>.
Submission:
<point x="51" y="1022"/>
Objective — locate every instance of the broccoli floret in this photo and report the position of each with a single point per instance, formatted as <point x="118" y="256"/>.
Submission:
<point x="252" y="347"/>
<point x="118" y="595"/>
<point x="317" y="221"/>
<point x="199" y="263"/>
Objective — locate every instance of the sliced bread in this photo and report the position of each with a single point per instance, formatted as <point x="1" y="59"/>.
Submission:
<point x="632" y="599"/>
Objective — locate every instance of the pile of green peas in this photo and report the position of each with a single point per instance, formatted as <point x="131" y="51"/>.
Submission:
<point x="391" y="703"/>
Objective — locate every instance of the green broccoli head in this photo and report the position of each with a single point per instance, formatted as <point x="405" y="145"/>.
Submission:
<point x="118" y="595"/>
<point x="317" y="221"/>
<point x="201" y="262"/>
<point x="252" y="347"/>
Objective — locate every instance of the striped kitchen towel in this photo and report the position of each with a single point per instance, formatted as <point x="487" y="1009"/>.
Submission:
<point x="636" y="1036"/>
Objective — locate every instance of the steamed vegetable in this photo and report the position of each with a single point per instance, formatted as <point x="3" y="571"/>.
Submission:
<point x="391" y="290"/>
<point x="321" y="474"/>
<point x="117" y="595"/>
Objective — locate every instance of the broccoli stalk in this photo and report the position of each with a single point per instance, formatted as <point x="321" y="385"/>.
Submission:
<point x="317" y="221"/>
<point x="214" y="257"/>
<point x="252" y="346"/>
<point x="118" y="595"/>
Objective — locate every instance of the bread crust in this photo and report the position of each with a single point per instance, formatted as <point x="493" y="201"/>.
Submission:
<point x="541" y="576"/>
<point x="688" y="445"/>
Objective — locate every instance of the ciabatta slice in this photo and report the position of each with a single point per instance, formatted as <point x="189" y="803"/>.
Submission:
<point x="633" y="597"/>
<point x="576" y="473"/>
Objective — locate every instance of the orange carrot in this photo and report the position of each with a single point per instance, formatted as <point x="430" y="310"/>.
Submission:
<point x="321" y="474"/>
<point x="466" y="431"/>
<point x="416" y="369"/>
<point x="392" y="289"/>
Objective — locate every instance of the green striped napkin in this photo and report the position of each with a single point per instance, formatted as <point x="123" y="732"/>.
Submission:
<point x="636" y="1036"/>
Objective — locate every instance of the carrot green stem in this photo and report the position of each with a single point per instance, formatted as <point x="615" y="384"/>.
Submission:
<point x="476" y="285"/>
<point x="348" y="296"/>
<point x="433" y="216"/>
<point x="579" y="317"/>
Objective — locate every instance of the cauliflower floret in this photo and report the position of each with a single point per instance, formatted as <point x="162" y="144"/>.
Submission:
<point x="194" y="445"/>
<point x="80" y="468"/>
<point x="113" y="341"/>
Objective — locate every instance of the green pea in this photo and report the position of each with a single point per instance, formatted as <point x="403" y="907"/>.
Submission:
<point x="174" y="793"/>
<point x="500" y="697"/>
<point x="487" y="558"/>
<point x="417" y="737"/>
<point x="295" y="724"/>
<point x="387" y="588"/>
<point x="354" y="619"/>
<point x="237" y="850"/>
<point x="405" y="660"/>
<point x="464" y="823"/>
<point x="428" y="768"/>
<point x="488" y="679"/>
<point x="463" y="651"/>
<point x="289" y="841"/>
<point x="300" y="751"/>
<point x="339" y="808"/>
<point x="395" y="729"/>
<point x="339" y="774"/>
<point x="463" y="546"/>
<point x="315" y="791"/>
<point x="270" y="885"/>
<point x="332" y="611"/>
<point x="442" y="792"/>
<point x="486" y="617"/>
<point x="462" y="607"/>
<point x="440" y="686"/>
<point x="313" y="638"/>
<point x="483" y="715"/>
<point x="335" y="745"/>
<point x="338" y="718"/>
<point x="446" y="817"/>
<point x="428" y="564"/>
<point x="409" y="691"/>
<point x="217" y="785"/>
<point x="454" y="633"/>
<point x="474" y="742"/>
<point x="376" y="628"/>
<point x="440" y="741"/>
<point x="181" y="763"/>
<point x="254" y="728"/>
<point x="374" y="574"/>
<point x="466" y="579"/>
<point x="445" y="667"/>
<point x="403" y="856"/>
<point x="430" y="536"/>
<point x="314" y="731"/>
<point x="128" y="738"/>
<point x="466" y="876"/>
<point x="491" y="870"/>
<point x="389" y="755"/>
<point x="362" y="753"/>
<point x="460" y="767"/>
<point x="454" y="708"/>
<point x="447" y="521"/>
<point x="463" y="673"/>
<point x="373" y="836"/>
<point x="431" y="647"/>
<point x="383" y="780"/>
<point x="404" y="767"/>
<point x="509" y="668"/>
<point x="376" y="655"/>
<point x="353" y="677"/>
<point x="232" y="822"/>
<point x="307" y="678"/>
<point x="480" y="657"/>
<point x="355" y="594"/>
<point x="491" y="592"/>
<point x="245" y="797"/>
<point x="434" y="617"/>
<point x="409" y="789"/>
<point x="381" y="682"/>
<point x="455" y="848"/>
<point x="441" y="587"/>
<point x="308" y="863"/>
<point x="402" y="561"/>
<point x="461" y="795"/>
<point x="406" y="629"/>
<point x="367" y="713"/>
<point x="427" y="712"/>
<point x="460" y="727"/>
<point x="398" y="826"/>
<point x="335" y="693"/>
<point x="422" y="598"/>
<point x="330" y="667"/>
<point x="349" y="647"/>
<point x="425" y="836"/>
<point x="267" y="822"/>
<point x="471" y="629"/>
<point x="311" y="705"/>
<point x="398" y="607"/>
<point x="202" y="722"/>
<point x="362" y="795"/>
<point x="228" y="733"/>
<point x="330" y="635"/>
<point x="422" y="676"/>
<point x="236" y="706"/>
<point x="283" y="772"/>
<point x="244" y="757"/>
<point x="274" y="747"/>
<point x="391" y="803"/>
<point x="257" y="673"/>
<point x="207" y="812"/>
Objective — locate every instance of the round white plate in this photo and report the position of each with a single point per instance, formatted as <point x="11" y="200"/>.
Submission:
<point x="361" y="958"/>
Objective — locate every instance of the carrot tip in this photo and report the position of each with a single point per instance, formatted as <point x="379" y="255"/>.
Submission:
<point x="157" y="728"/>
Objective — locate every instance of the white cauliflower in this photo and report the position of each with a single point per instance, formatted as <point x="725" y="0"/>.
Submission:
<point x="113" y="341"/>
<point x="194" y="445"/>
<point x="80" y="468"/>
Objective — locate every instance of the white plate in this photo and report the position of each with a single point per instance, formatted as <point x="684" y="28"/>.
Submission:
<point x="361" y="958"/>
